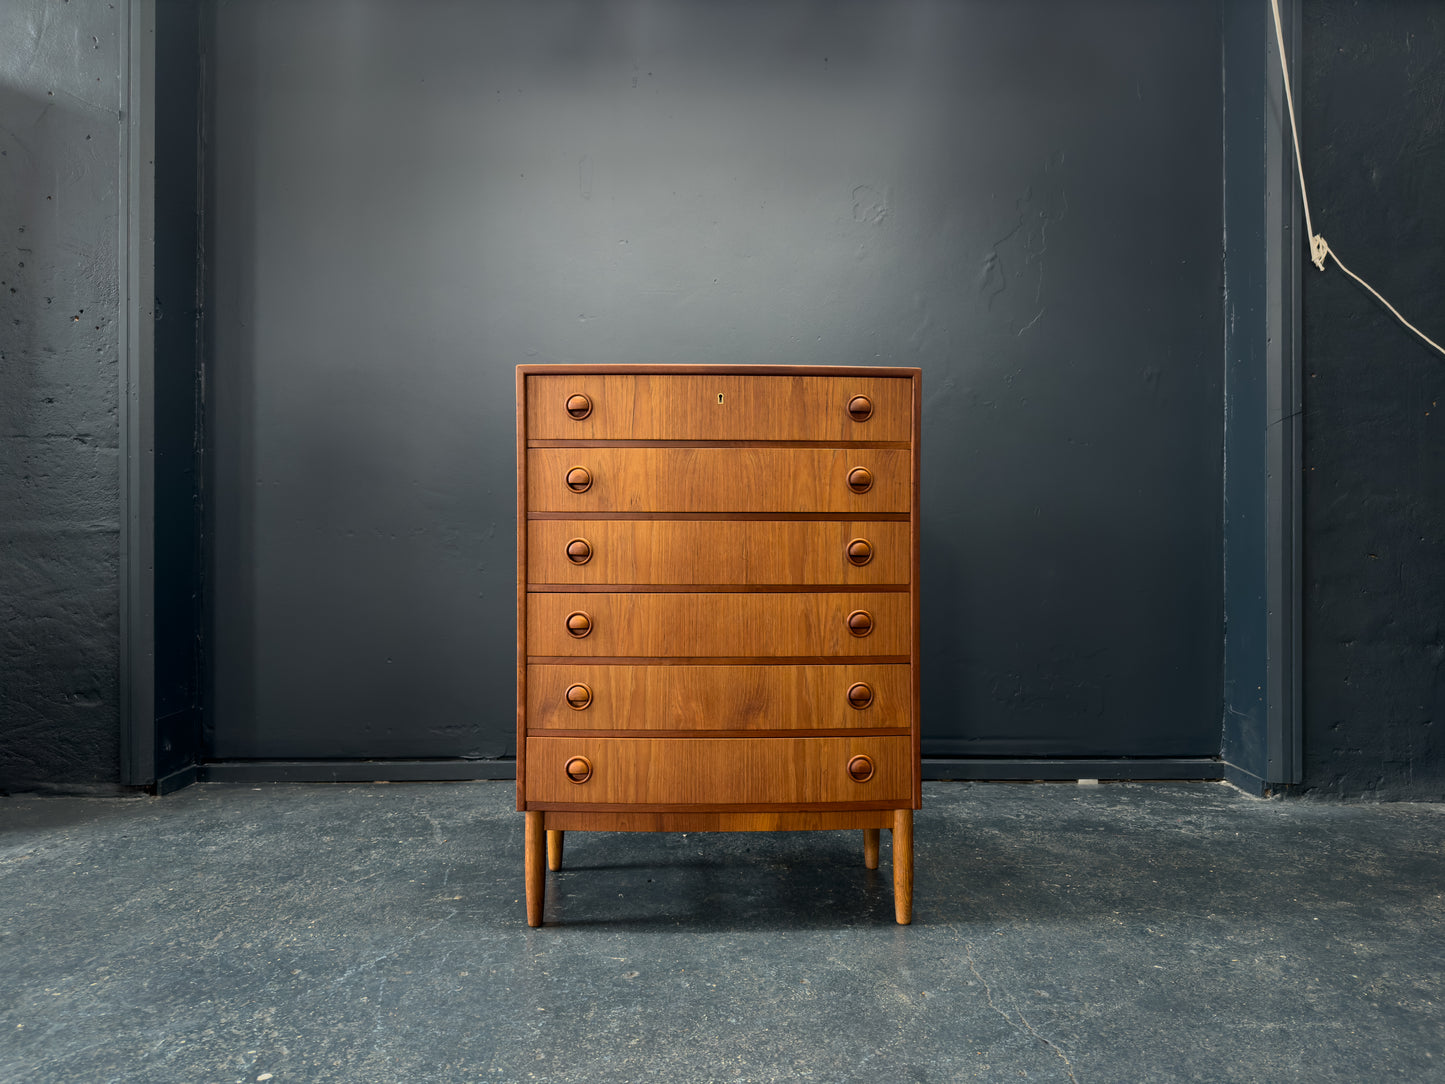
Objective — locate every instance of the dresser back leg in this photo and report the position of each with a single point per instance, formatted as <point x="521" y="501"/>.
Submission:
<point x="903" y="866"/>
<point x="536" y="845"/>
<point x="554" y="850"/>
<point x="870" y="848"/>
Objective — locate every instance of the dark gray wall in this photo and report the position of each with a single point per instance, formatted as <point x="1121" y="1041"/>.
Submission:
<point x="411" y="199"/>
<point x="178" y="435"/>
<point x="1374" y="149"/>
<point x="1246" y="30"/>
<point x="59" y="350"/>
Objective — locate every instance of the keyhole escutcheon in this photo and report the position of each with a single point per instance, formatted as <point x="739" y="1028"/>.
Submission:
<point x="719" y="398"/>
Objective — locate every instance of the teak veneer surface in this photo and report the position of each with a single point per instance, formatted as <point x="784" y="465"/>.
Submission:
<point x="719" y="697"/>
<point x="718" y="686"/>
<point x="724" y="624"/>
<point x="678" y="407"/>
<point x="717" y="552"/>
<point x="582" y="820"/>
<point x="717" y="771"/>
<point x="763" y="479"/>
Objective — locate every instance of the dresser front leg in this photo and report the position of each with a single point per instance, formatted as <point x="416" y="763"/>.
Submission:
<point x="903" y="866"/>
<point x="536" y="847"/>
<point x="554" y="850"/>
<point x="870" y="848"/>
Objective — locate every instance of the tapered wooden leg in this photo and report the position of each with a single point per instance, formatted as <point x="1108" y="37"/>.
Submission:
<point x="536" y="846"/>
<point x="554" y="850"/>
<point x="903" y="866"/>
<point x="870" y="848"/>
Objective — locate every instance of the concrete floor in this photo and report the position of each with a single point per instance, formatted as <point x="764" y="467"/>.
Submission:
<point x="1129" y="932"/>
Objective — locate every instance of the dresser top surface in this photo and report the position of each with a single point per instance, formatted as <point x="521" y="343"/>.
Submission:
<point x="901" y="372"/>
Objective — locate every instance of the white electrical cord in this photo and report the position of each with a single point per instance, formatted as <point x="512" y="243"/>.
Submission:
<point x="1319" y="249"/>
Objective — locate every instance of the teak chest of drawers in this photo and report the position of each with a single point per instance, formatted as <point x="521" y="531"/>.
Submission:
<point x="717" y="604"/>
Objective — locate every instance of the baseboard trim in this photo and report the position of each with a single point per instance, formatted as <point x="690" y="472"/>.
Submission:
<point x="1018" y="769"/>
<point x="176" y="780"/>
<point x="1012" y="769"/>
<point x="356" y="771"/>
<point x="1245" y="780"/>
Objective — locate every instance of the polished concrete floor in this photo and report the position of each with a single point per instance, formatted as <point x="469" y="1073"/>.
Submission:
<point x="1126" y="932"/>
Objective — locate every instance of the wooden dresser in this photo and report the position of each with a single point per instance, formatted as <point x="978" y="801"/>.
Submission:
<point x="717" y="604"/>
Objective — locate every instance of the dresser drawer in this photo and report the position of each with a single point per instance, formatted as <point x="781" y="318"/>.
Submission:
<point x="765" y="479"/>
<point x="606" y="551"/>
<point x="729" y="625"/>
<point x="755" y="772"/>
<point x="577" y="696"/>
<point x="670" y="406"/>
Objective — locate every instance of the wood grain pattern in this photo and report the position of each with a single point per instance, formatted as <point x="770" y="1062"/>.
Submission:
<point x="719" y="480"/>
<point x="903" y="866"/>
<point x="722" y="771"/>
<point x="522" y="526"/>
<point x="718" y="697"/>
<point x="686" y="407"/>
<point x="534" y="866"/>
<point x="916" y="595"/>
<point x="717" y="624"/>
<point x="717" y="552"/>
<point x="638" y="821"/>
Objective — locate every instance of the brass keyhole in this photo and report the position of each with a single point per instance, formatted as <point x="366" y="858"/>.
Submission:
<point x="719" y="398"/>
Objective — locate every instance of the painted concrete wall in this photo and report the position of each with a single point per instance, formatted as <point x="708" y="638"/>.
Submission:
<point x="59" y="350"/>
<point x="1374" y="147"/>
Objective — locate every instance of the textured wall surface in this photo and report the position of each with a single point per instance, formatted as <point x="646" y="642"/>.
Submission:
<point x="1374" y="146"/>
<point x="59" y="489"/>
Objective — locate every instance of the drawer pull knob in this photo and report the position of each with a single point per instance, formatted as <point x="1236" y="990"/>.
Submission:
<point x="579" y="624"/>
<point x="579" y="769"/>
<point x="860" y="479"/>
<point x="860" y="552"/>
<point x="860" y="623"/>
<point x="860" y="768"/>
<point x="579" y="697"/>
<point x="860" y="408"/>
<point x="579" y="406"/>
<point x="579" y="479"/>
<point x="579" y="551"/>
<point x="860" y="695"/>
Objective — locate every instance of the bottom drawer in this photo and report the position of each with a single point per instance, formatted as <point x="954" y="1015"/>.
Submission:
<point x="584" y="771"/>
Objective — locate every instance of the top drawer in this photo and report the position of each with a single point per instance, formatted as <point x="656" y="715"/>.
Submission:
<point x="670" y="406"/>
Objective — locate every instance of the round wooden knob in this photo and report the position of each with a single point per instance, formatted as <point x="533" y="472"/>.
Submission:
<point x="579" y="551"/>
<point x="579" y="624"/>
<point x="860" y="768"/>
<point x="859" y="695"/>
<point x="579" y="406"/>
<point x="579" y="479"/>
<point x="579" y="769"/>
<point x="860" y="408"/>
<point x="860" y="623"/>
<point x="579" y="696"/>
<point x="860" y="552"/>
<point x="860" y="479"/>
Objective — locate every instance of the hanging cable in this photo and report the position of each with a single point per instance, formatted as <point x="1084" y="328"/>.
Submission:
<point x="1319" y="248"/>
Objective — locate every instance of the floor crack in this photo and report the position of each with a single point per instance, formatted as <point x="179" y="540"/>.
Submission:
<point x="988" y="996"/>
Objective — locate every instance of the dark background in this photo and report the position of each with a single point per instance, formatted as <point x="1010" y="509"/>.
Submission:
<point x="1025" y="200"/>
<point x="410" y="199"/>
